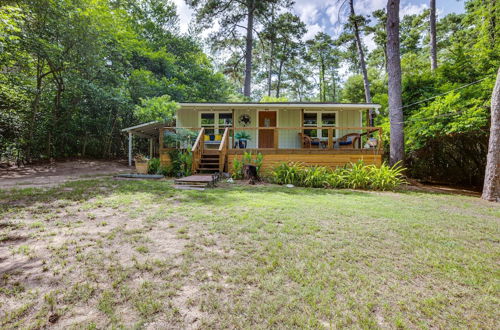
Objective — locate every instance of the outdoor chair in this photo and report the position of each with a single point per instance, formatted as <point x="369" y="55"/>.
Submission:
<point x="350" y="141"/>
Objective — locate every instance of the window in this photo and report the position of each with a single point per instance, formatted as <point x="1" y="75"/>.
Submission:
<point x="325" y="119"/>
<point x="216" y="122"/>
<point x="208" y="121"/>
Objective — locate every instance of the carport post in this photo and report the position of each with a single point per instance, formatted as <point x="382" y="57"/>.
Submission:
<point x="150" y="148"/>
<point x="129" y="148"/>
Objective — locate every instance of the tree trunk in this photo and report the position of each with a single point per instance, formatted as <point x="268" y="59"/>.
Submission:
<point x="249" y="48"/>
<point x="432" y="20"/>
<point x="34" y="108"/>
<point x="491" y="189"/>
<point x="394" y="73"/>
<point x="278" y="85"/>
<point x="361" y="54"/>
<point x="270" y="73"/>
<point x="250" y="174"/>
<point x="322" y="88"/>
<point x="271" y="57"/>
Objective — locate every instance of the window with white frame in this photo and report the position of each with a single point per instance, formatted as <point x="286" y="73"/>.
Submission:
<point x="319" y="119"/>
<point x="215" y="122"/>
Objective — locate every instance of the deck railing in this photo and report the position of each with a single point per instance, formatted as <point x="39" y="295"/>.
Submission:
<point x="307" y="137"/>
<point x="223" y="148"/>
<point x="285" y="138"/>
<point x="197" y="150"/>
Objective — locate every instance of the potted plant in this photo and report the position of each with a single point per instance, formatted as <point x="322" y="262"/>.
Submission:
<point x="141" y="164"/>
<point x="242" y="138"/>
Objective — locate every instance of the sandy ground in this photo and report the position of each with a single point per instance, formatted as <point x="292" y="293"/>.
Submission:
<point x="47" y="175"/>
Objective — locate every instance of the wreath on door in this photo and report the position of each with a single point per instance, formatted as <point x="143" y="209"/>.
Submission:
<point x="244" y="120"/>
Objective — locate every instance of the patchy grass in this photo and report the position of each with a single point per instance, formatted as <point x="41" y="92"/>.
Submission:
<point x="104" y="253"/>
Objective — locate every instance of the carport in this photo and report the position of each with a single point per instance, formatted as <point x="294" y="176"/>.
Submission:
<point x="148" y="131"/>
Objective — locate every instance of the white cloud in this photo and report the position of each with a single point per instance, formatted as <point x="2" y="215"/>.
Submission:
<point x="308" y="13"/>
<point x="312" y="30"/>
<point x="412" y="9"/>
<point x="185" y="15"/>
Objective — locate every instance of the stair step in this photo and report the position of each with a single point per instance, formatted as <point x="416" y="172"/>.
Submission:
<point x="209" y="165"/>
<point x="186" y="187"/>
<point x="215" y="161"/>
<point x="197" y="183"/>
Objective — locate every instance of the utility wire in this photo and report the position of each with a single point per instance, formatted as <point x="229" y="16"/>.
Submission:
<point x="433" y="97"/>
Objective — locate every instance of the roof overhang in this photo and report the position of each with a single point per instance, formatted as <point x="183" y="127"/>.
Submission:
<point x="146" y="130"/>
<point x="280" y="105"/>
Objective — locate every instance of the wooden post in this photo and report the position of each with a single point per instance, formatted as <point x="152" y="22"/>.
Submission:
<point x="276" y="138"/>
<point x="129" y="148"/>
<point x="150" y="148"/>
<point x="330" y="138"/>
<point x="160" y="139"/>
<point x="380" y="140"/>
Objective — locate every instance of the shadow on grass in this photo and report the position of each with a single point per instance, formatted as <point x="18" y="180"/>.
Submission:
<point x="83" y="190"/>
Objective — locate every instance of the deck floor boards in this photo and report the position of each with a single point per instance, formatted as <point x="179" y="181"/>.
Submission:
<point x="197" y="178"/>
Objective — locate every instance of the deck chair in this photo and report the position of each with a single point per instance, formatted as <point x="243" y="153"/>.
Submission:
<point x="350" y="141"/>
<point x="308" y="142"/>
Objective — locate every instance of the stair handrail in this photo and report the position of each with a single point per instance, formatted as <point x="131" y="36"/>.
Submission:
<point x="224" y="145"/>
<point x="197" y="150"/>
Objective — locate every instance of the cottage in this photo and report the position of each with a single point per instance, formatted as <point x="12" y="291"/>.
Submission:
<point x="328" y="134"/>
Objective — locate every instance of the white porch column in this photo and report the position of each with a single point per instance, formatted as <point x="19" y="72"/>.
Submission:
<point x="129" y="148"/>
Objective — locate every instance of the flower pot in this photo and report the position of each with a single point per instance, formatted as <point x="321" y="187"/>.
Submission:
<point x="141" y="167"/>
<point x="242" y="143"/>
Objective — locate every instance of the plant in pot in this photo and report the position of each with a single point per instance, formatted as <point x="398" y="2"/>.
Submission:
<point x="141" y="164"/>
<point x="242" y="138"/>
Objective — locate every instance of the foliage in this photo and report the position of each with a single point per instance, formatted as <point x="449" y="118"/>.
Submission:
<point x="181" y="162"/>
<point x="271" y="99"/>
<point x="140" y="158"/>
<point x="242" y="135"/>
<point x="237" y="171"/>
<point x="355" y="176"/>
<point x="160" y="109"/>
<point x="247" y="159"/>
<point x="74" y="73"/>
<point x="154" y="166"/>
<point x="182" y="138"/>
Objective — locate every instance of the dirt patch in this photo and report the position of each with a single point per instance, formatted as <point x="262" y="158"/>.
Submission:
<point x="441" y="189"/>
<point x="52" y="174"/>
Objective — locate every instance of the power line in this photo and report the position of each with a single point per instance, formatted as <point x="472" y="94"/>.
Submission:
<point x="448" y="92"/>
<point x="433" y="97"/>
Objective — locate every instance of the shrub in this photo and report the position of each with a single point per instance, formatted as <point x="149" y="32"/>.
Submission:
<point x="386" y="177"/>
<point x="355" y="176"/>
<point x="247" y="159"/>
<point x="154" y="166"/>
<point x="237" y="169"/>
<point x="288" y="173"/>
<point x="181" y="163"/>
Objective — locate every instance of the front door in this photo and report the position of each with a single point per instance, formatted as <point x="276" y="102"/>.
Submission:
<point x="266" y="136"/>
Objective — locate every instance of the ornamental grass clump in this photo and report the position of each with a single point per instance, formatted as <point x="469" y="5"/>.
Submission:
<point x="354" y="176"/>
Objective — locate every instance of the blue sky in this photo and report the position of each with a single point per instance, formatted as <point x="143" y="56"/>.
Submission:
<point x="322" y="15"/>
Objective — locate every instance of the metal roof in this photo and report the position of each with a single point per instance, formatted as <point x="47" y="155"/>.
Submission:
<point x="300" y="105"/>
<point x="146" y="130"/>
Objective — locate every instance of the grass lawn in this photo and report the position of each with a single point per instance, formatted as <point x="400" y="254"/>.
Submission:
<point x="103" y="253"/>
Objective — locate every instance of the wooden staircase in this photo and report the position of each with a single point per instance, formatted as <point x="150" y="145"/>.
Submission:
<point x="209" y="161"/>
<point x="196" y="182"/>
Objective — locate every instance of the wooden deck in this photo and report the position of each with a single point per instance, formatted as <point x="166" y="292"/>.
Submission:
<point x="331" y="154"/>
<point x="197" y="178"/>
